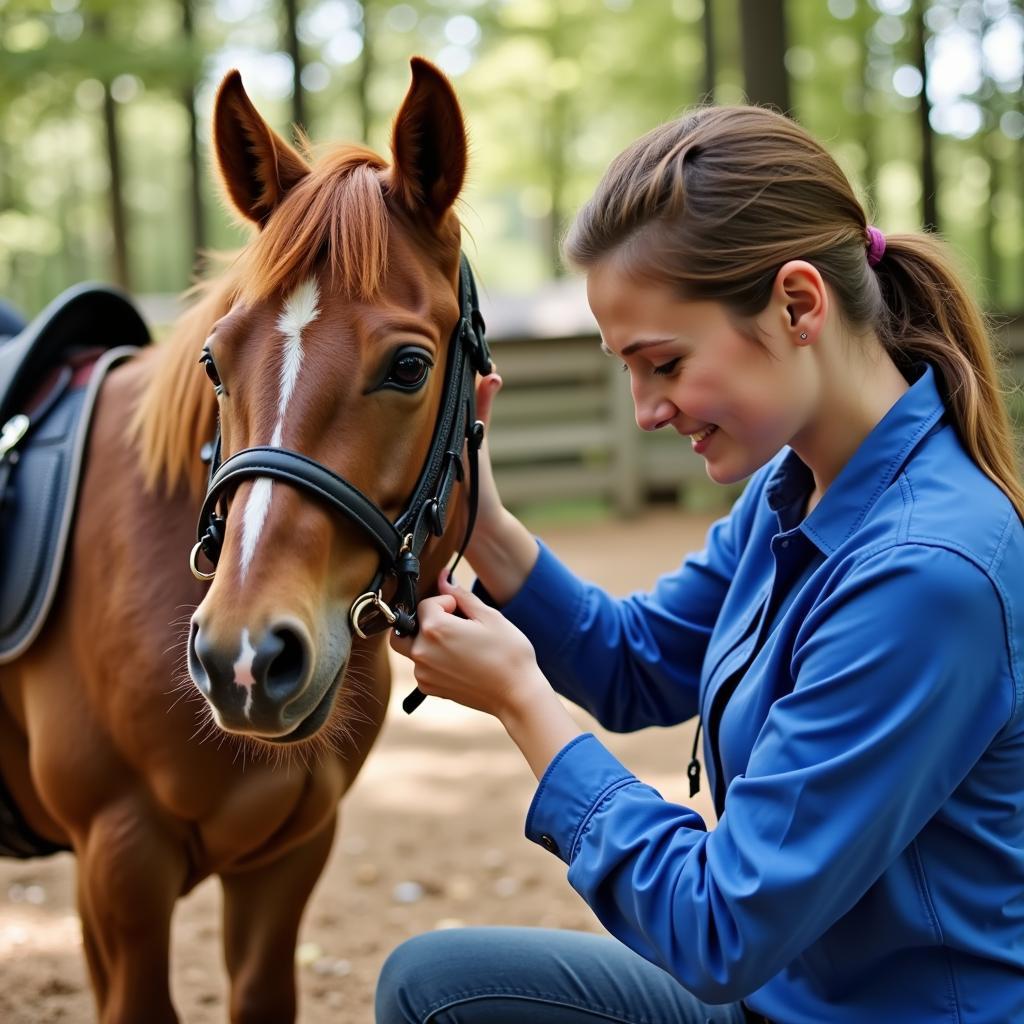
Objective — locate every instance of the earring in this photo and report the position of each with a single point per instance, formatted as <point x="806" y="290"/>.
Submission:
<point x="803" y="335"/>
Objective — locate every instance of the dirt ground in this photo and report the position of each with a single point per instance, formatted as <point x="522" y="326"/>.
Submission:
<point x="431" y="836"/>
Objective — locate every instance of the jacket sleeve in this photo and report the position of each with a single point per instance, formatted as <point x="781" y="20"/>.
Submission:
<point x="902" y="679"/>
<point x="634" y="661"/>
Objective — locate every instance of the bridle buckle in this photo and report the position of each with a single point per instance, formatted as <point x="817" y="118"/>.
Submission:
<point x="375" y="600"/>
<point x="204" y="577"/>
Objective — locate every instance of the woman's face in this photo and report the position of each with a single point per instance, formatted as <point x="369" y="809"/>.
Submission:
<point x="691" y="367"/>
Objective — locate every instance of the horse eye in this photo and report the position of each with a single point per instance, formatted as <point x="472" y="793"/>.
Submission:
<point x="211" y="370"/>
<point x="409" y="370"/>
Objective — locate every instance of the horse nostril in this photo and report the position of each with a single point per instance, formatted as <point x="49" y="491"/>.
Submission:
<point x="281" y="662"/>
<point x="209" y="667"/>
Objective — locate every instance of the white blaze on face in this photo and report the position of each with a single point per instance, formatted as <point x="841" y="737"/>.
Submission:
<point x="299" y="311"/>
<point x="243" y="670"/>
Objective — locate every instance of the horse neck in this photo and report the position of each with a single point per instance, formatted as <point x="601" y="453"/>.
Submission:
<point x="177" y="411"/>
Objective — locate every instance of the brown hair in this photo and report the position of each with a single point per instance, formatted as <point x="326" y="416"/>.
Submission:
<point x="715" y="203"/>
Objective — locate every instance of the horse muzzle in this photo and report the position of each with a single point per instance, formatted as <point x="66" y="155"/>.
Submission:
<point x="265" y="685"/>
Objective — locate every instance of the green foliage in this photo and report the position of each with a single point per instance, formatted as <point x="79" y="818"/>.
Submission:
<point x="552" y="89"/>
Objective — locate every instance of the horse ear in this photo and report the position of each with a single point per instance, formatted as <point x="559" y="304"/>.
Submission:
<point x="428" y="140"/>
<point x="258" y="167"/>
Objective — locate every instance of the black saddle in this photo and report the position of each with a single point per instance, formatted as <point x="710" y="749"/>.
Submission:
<point x="50" y="374"/>
<point x="87" y="315"/>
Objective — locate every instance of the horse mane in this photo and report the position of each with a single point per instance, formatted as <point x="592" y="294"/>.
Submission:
<point x="336" y="217"/>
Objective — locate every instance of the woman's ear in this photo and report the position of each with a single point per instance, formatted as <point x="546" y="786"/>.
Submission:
<point x="257" y="166"/>
<point x="800" y="294"/>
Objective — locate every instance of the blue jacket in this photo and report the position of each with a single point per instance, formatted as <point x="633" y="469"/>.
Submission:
<point x="859" y="678"/>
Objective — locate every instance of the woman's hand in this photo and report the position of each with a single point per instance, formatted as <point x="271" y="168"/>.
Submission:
<point x="470" y="653"/>
<point x="478" y="659"/>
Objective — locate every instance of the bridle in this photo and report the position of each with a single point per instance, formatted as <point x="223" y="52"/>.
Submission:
<point x="401" y="542"/>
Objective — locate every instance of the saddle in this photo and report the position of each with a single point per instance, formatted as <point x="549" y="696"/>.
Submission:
<point x="50" y="376"/>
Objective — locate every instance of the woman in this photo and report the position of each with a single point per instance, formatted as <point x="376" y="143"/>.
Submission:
<point x="851" y="636"/>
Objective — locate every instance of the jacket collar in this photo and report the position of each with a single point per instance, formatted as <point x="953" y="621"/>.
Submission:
<point x="871" y="469"/>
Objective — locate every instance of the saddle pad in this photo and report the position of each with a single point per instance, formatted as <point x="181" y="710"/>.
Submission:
<point x="37" y="508"/>
<point x="17" y="839"/>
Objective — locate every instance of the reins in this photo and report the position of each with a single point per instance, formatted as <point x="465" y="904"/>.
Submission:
<point x="400" y="543"/>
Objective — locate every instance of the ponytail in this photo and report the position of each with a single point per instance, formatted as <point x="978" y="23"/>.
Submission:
<point x="929" y="316"/>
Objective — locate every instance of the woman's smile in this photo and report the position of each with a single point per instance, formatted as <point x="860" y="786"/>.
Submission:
<point x="702" y="437"/>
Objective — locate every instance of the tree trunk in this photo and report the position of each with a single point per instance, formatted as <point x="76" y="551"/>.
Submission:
<point x="6" y="176"/>
<point x="763" y="42"/>
<point x="559" y="134"/>
<point x="118" y="217"/>
<point x="291" y="36"/>
<point x="364" y="76"/>
<point x="988" y="139"/>
<point x="990" y="256"/>
<point x="865" y="122"/>
<point x="72" y="258"/>
<point x="929" y="203"/>
<point x="197" y="216"/>
<point x="1017" y="175"/>
<point x="708" y="26"/>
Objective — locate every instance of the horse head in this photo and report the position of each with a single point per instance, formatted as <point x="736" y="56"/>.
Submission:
<point x="332" y="346"/>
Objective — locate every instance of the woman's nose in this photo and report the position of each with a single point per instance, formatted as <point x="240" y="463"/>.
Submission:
<point x="652" y="411"/>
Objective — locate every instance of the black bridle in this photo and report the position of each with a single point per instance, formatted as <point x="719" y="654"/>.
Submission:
<point x="401" y="542"/>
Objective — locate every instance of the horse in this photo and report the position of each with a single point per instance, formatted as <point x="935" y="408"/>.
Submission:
<point x="163" y="744"/>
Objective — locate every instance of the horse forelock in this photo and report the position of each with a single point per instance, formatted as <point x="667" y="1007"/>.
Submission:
<point x="336" y="217"/>
<point x="334" y="220"/>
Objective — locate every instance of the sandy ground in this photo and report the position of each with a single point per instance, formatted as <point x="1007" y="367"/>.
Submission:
<point x="431" y="836"/>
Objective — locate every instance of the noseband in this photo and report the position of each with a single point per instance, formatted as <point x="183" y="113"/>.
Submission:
<point x="401" y="542"/>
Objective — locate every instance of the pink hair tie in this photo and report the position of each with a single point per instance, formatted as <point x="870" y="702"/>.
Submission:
<point x="876" y="246"/>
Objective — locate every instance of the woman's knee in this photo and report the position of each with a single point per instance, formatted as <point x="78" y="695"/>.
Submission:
<point x="432" y="971"/>
<point x="401" y="976"/>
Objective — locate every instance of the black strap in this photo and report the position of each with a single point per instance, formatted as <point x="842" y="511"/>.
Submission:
<point x="416" y="696"/>
<point x="467" y="355"/>
<point x="693" y="768"/>
<point x="304" y="473"/>
<point x="473" y="442"/>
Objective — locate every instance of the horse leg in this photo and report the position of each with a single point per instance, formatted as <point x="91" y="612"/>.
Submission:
<point x="131" y="871"/>
<point x="262" y="910"/>
<point x="93" y="957"/>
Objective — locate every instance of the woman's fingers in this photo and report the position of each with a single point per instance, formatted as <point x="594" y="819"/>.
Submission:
<point x="429" y="613"/>
<point x="465" y="600"/>
<point x="442" y="604"/>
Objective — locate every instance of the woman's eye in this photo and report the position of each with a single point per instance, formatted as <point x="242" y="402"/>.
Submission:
<point x="211" y="371"/>
<point x="409" y="371"/>
<point x="666" y="368"/>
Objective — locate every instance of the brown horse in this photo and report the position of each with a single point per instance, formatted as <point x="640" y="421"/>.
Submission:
<point x="327" y="335"/>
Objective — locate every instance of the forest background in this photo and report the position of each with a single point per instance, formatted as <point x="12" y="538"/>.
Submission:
<point x="105" y="106"/>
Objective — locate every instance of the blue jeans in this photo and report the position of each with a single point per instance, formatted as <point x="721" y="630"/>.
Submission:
<point x="532" y="976"/>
